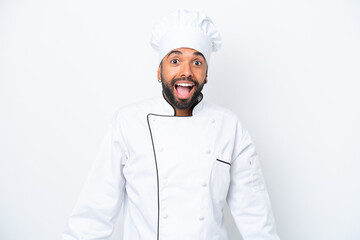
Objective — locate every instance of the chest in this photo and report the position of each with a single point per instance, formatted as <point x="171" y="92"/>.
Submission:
<point x="176" y="147"/>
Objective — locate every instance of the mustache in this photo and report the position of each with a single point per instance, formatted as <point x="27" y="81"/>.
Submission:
<point x="173" y="82"/>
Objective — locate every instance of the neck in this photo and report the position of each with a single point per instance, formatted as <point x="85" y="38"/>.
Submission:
<point x="180" y="112"/>
<point x="183" y="112"/>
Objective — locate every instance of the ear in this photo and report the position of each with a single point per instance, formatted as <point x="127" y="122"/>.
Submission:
<point x="159" y="73"/>
<point x="206" y="76"/>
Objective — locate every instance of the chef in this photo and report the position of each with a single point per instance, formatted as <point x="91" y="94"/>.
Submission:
<point x="174" y="161"/>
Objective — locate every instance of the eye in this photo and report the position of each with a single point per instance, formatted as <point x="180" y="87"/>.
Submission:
<point x="197" y="63"/>
<point x="174" y="61"/>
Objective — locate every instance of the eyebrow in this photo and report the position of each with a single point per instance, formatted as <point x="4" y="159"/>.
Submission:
<point x="174" y="52"/>
<point x="199" y="54"/>
<point x="179" y="52"/>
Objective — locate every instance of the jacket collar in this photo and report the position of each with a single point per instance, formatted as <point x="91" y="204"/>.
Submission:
<point x="168" y="109"/>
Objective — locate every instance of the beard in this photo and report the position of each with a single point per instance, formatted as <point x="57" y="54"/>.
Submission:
<point x="169" y="88"/>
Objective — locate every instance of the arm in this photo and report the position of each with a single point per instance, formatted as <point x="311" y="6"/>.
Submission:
<point x="101" y="197"/>
<point x="247" y="198"/>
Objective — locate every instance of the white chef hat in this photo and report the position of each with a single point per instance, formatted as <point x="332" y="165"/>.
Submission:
<point x="188" y="29"/>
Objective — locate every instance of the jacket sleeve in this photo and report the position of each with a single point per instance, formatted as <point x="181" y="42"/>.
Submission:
<point x="100" y="200"/>
<point x="247" y="198"/>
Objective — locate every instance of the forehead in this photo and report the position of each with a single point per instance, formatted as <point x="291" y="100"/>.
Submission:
<point x="185" y="52"/>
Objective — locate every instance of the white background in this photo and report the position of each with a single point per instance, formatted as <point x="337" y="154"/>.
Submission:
<point x="288" y="69"/>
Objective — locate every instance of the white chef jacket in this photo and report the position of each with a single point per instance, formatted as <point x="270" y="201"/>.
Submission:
<point x="173" y="174"/>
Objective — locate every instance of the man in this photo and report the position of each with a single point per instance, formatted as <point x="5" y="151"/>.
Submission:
<point x="174" y="160"/>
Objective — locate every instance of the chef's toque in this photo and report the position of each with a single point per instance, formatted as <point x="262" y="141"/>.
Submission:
<point x="185" y="29"/>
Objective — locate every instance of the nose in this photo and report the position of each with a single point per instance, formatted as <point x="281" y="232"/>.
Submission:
<point x="186" y="70"/>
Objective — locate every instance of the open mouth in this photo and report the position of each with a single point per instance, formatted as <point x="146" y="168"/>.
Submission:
<point x="184" y="90"/>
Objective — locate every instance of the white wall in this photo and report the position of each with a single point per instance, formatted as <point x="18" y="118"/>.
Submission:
<point x="289" y="69"/>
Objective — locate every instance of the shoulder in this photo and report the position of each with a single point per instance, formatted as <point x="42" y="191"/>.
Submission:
<point x="217" y="110"/>
<point x="228" y="118"/>
<point x="134" y="110"/>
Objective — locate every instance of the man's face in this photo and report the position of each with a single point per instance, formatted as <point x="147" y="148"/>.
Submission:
<point x="183" y="73"/>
